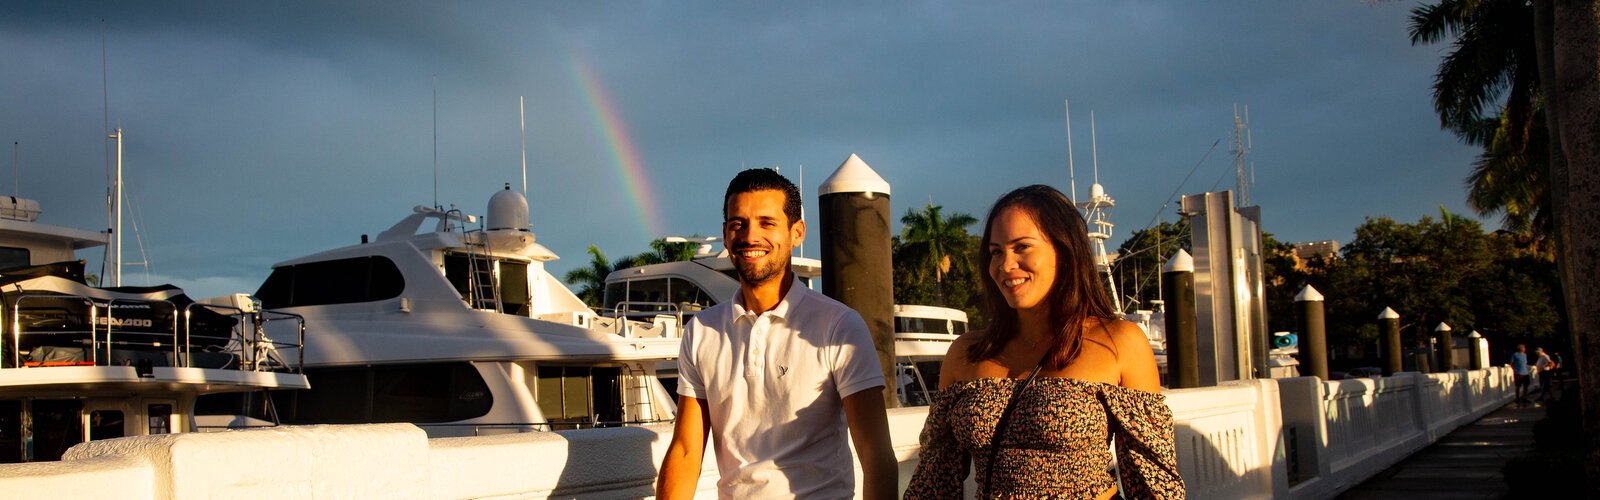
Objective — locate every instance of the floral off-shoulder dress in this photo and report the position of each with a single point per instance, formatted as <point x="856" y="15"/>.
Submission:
<point x="1055" y="445"/>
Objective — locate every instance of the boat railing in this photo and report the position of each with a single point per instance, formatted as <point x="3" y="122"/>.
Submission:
<point x="256" y="352"/>
<point x="245" y="341"/>
<point x="479" y="429"/>
<point x="627" y="309"/>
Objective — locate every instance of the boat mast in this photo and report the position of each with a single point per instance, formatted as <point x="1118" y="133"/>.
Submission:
<point x="1072" y="174"/>
<point x="1096" y="210"/>
<point x="1241" y="147"/>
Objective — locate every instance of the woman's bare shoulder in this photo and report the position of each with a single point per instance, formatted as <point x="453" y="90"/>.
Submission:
<point x="956" y="367"/>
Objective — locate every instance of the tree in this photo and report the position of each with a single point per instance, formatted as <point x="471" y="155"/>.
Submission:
<point x="1567" y="38"/>
<point x="1140" y="258"/>
<point x="591" y="278"/>
<point x="1487" y="91"/>
<point x="933" y="243"/>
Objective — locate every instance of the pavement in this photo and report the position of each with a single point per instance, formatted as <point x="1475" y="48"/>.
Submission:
<point x="1463" y="464"/>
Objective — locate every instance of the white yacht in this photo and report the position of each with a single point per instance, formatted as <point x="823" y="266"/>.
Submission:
<point x="81" y="363"/>
<point x="455" y="325"/>
<point x="922" y="333"/>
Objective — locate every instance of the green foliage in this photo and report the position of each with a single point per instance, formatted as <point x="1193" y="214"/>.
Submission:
<point x="592" y="279"/>
<point x="1487" y="91"/>
<point x="1140" y="258"/>
<point x="935" y="262"/>
<point x="1436" y="270"/>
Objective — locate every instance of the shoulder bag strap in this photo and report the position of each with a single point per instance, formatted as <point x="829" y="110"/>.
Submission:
<point x="1000" y="428"/>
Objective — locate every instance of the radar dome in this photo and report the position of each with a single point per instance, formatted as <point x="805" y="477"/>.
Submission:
<point x="508" y="210"/>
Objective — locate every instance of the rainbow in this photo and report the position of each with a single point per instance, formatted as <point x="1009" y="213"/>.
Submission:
<point x="624" y="153"/>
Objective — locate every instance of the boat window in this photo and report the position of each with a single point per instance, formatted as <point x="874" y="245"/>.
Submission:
<point x="160" y="417"/>
<point x="342" y="281"/>
<point x="575" y="396"/>
<point x="57" y="425"/>
<point x="650" y="290"/>
<point x="10" y="431"/>
<point x="687" y="296"/>
<point x="514" y="296"/>
<point x="418" y="393"/>
<point x="105" y="424"/>
<point x="911" y="324"/>
<point x="960" y="327"/>
<point x="14" y="257"/>
<point x="615" y="292"/>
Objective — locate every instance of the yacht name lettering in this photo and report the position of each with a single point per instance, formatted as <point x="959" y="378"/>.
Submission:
<point x="125" y="322"/>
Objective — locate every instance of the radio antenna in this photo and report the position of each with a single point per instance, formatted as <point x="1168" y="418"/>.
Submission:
<point x="1072" y="171"/>
<point x="522" y="125"/>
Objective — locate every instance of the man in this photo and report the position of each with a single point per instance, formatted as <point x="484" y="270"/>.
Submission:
<point x="1519" y="370"/>
<point x="768" y="372"/>
<point x="1546" y="368"/>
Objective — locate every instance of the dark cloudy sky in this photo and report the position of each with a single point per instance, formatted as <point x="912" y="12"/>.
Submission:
<point x="262" y="131"/>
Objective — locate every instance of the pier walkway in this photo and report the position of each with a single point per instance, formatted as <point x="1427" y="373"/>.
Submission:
<point x="1463" y="464"/>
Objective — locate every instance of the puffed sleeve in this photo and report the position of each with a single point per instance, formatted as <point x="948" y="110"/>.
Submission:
<point x="942" y="465"/>
<point x="1147" y="461"/>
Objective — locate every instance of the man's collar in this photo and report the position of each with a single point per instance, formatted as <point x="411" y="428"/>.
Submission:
<point x="796" y="295"/>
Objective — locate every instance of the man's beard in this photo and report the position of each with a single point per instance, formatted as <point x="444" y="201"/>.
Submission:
<point x="760" y="272"/>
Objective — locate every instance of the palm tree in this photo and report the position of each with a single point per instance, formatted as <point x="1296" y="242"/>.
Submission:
<point x="1494" y="60"/>
<point x="661" y="251"/>
<point x="592" y="278"/>
<point x="929" y="240"/>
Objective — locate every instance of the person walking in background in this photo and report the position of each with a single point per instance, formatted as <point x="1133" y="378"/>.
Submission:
<point x="1546" y="368"/>
<point x="1032" y="402"/>
<point x="1519" y="371"/>
<point x="777" y="374"/>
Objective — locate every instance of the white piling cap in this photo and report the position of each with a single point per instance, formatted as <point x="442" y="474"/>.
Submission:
<point x="1442" y="327"/>
<point x="1308" y="294"/>
<point x="1388" y="314"/>
<point x="1180" y="262"/>
<point x="1475" y="335"/>
<point x="854" y="176"/>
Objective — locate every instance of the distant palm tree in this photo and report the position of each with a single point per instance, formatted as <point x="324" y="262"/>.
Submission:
<point x="935" y="243"/>
<point x="592" y="278"/>
<point x="660" y="252"/>
<point x="1493" y="60"/>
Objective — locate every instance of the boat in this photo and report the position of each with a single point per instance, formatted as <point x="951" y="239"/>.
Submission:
<point x="82" y="363"/>
<point x="922" y="333"/>
<point x="452" y="322"/>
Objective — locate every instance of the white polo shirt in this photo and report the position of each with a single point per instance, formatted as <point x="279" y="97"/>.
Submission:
<point x="773" y="384"/>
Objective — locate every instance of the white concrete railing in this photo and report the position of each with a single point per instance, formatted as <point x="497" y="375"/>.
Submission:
<point x="1287" y="438"/>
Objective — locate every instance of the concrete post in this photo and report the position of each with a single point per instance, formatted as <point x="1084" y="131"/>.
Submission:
<point x="857" y="267"/>
<point x="1475" y="343"/>
<point x="1447" y="348"/>
<point x="1313" y="334"/>
<point x="1183" y="353"/>
<point x="1389" y="324"/>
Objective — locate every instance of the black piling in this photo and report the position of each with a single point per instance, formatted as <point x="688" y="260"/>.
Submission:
<point x="1389" y="324"/>
<point x="1183" y="350"/>
<point x="856" y="254"/>
<point x="1447" y="348"/>
<point x="1313" y="334"/>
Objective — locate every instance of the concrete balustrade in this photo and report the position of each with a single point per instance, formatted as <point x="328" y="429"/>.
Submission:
<point x="1285" y="438"/>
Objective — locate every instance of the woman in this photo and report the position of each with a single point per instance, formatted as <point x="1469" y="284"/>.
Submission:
<point x="1083" y="378"/>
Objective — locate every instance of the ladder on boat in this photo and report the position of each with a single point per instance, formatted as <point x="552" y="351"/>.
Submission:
<point x="483" y="283"/>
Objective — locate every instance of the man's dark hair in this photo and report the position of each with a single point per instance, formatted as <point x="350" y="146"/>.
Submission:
<point x="761" y="179"/>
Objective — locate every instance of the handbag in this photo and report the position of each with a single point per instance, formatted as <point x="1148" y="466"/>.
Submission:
<point x="1000" y="427"/>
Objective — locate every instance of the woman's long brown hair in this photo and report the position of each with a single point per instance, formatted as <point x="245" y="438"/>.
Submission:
<point x="1076" y="295"/>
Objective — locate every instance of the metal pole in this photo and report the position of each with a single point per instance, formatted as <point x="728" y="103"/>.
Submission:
<point x="1313" y="334"/>
<point x="1389" y="324"/>
<point x="1183" y="353"/>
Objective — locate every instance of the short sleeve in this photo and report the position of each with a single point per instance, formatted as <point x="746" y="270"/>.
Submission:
<point x="942" y="465"/>
<point x="855" y="362"/>
<point x="1147" y="461"/>
<point x="690" y="383"/>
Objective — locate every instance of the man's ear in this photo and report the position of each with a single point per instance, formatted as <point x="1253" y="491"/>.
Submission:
<point x="797" y="231"/>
